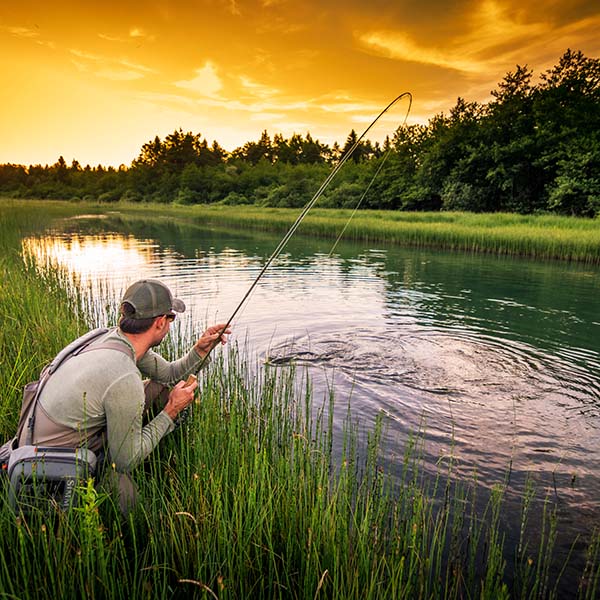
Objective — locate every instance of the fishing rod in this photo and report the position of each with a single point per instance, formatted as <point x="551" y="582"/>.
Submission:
<point x="309" y="205"/>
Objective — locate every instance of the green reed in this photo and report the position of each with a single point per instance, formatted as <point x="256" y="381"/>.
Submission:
<point x="38" y="316"/>
<point x="249" y="499"/>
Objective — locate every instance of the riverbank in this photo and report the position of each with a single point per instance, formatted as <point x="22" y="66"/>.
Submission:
<point x="534" y="236"/>
<point x="248" y="499"/>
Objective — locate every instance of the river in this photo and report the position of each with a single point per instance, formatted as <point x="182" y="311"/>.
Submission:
<point x="497" y="360"/>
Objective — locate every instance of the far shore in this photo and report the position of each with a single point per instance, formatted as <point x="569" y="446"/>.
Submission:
<point x="536" y="236"/>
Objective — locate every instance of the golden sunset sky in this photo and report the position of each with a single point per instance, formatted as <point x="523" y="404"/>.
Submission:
<point x="96" y="80"/>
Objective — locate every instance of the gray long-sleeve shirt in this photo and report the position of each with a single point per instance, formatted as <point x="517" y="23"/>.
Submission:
<point x="103" y="390"/>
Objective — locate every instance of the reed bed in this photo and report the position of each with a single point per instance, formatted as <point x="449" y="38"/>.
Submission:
<point x="536" y="236"/>
<point x="248" y="499"/>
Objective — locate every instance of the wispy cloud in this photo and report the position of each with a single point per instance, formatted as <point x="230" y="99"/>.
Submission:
<point x="27" y="33"/>
<point x="23" y="32"/>
<point x="233" y="7"/>
<point x="139" y="33"/>
<point x="265" y="116"/>
<point x="265" y="103"/>
<point x="257" y="89"/>
<point x="117" y="69"/>
<point x="111" y="38"/>
<point x="135" y="66"/>
<point x="119" y="74"/>
<point x="400" y="46"/>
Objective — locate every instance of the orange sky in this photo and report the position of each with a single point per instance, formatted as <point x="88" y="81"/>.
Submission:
<point x="96" y="80"/>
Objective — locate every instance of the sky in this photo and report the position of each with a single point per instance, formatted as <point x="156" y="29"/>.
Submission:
<point x="94" y="81"/>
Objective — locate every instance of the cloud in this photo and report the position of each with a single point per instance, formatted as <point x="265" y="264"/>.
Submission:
<point x="28" y="34"/>
<point x="135" y="66"/>
<point x="233" y="8"/>
<point x="206" y="83"/>
<point x="119" y="69"/>
<point x="118" y="74"/>
<point x="111" y="38"/>
<point x="348" y="107"/>
<point x="257" y="89"/>
<point x="491" y="32"/>
<point x="399" y="46"/>
<point x="86" y="55"/>
<point x="265" y="116"/>
<point x="23" y="32"/>
<point x="138" y="32"/>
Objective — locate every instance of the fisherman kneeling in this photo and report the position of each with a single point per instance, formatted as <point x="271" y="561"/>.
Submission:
<point x="98" y="400"/>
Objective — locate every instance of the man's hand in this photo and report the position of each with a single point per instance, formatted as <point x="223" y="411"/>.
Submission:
<point x="181" y="396"/>
<point x="210" y="338"/>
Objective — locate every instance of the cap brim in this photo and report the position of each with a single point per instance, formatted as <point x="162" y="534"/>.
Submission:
<point x="178" y="305"/>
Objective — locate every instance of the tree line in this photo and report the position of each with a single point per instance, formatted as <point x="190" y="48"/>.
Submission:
<point x="531" y="148"/>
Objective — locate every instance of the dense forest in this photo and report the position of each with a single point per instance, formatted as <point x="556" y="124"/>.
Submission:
<point x="534" y="147"/>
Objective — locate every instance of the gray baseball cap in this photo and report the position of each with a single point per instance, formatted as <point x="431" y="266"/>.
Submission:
<point x="151" y="298"/>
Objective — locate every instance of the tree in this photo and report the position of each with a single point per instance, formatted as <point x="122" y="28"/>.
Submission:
<point x="510" y="142"/>
<point x="576" y="188"/>
<point x="567" y="111"/>
<point x="253" y="152"/>
<point x="60" y="170"/>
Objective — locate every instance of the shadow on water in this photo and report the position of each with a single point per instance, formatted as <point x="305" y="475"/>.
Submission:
<point x="497" y="359"/>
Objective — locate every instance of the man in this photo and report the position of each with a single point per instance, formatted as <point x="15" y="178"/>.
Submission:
<point x="97" y="399"/>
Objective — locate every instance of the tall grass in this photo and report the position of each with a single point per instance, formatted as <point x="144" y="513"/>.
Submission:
<point x="541" y="236"/>
<point x="38" y="316"/>
<point x="247" y="499"/>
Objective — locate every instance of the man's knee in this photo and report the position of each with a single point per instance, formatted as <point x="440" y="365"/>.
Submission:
<point x="156" y="396"/>
<point x="123" y="487"/>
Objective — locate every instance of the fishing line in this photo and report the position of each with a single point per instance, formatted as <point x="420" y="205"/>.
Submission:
<point x="312" y="202"/>
<point x="379" y="168"/>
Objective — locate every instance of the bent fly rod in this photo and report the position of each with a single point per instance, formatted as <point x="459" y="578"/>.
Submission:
<point x="310" y="205"/>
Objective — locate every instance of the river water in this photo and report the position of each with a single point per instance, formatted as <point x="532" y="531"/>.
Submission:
<point x="496" y="359"/>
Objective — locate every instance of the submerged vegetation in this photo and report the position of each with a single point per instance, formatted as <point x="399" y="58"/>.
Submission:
<point x="249" y="499"/>
<point x="534" y="147"/>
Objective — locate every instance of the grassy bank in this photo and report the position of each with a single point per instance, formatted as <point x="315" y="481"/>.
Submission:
<point x="38" y="316"/>
<point x="247" y="500"/>
<point x="535" y="236"/>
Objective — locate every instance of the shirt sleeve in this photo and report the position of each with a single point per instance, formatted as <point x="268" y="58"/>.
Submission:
<point x="155" y="367"/>
<point x="128" y="441"/>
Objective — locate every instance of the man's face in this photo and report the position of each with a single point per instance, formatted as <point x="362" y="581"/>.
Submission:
<point x="162" y="325"/>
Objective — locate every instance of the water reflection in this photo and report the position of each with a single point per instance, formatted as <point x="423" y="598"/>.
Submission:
<point x="94" y="260"/>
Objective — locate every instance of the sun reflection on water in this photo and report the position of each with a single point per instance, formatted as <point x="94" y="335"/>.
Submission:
<point x="93" y="260"/>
